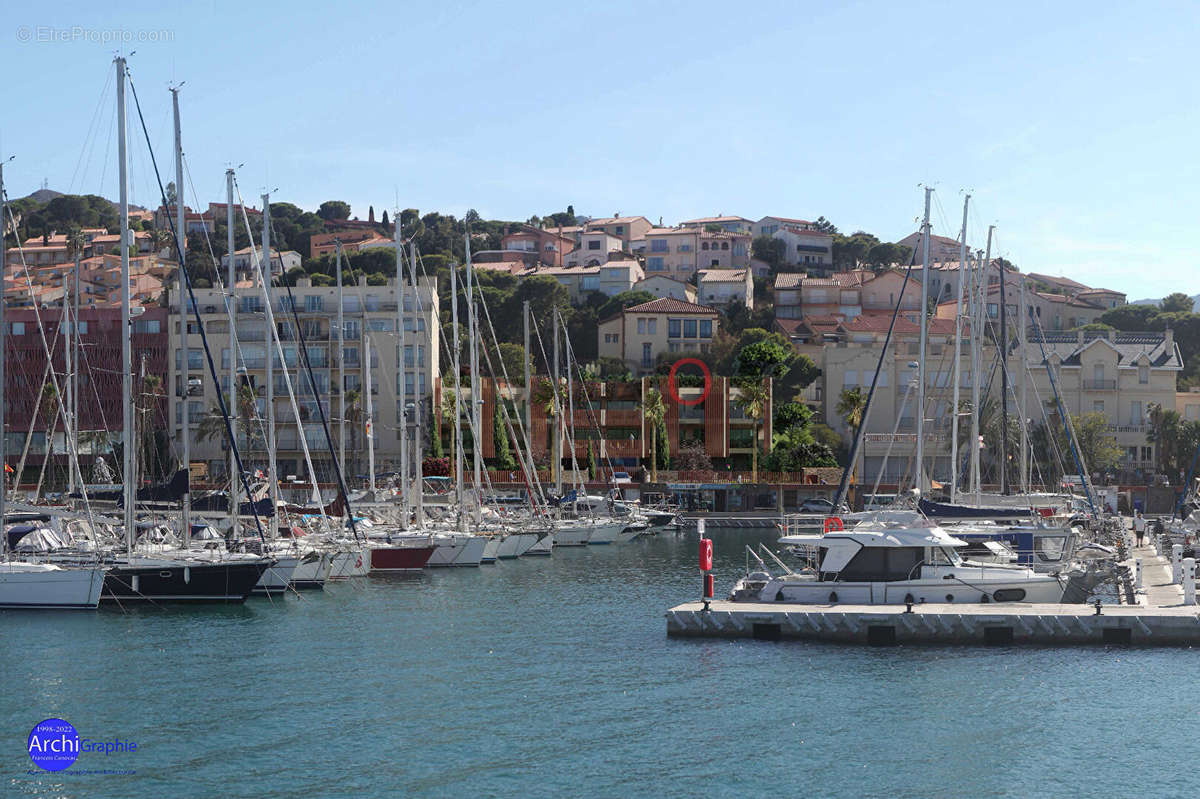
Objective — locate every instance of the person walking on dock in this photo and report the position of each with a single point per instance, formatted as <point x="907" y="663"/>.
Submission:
<point x="1139" y="528"/>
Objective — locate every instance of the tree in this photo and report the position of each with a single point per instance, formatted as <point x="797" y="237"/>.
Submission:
<point x="354" y="419"/>
<point x="593" y="467"/>
<point x="851" y="406"/>
<point x="771" y="355"/>
<point x="171" y="193"/>
<point x="1164" y="431"/>
<point x="610" y="306"/>
<point x="753" y="398"/>
<point x="1130" y="318"/>
<point x="850" y="251"/>
<point x="654" y="411"/>
<point x="512" y="356"/>
<point x="1177" y="302"/>
<point x="825" y="226"/>
<point x="885" y="254"/>
<point x="329" y="210"/>
<point x="384" y="221"/>
<point x="504" y="456"/>
<point x="769" y="249"/>
<point x="1099" y="447"/>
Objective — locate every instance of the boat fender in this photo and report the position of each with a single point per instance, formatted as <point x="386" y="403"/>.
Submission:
<point x="134" y="583"/>
<point x="187" y="574"/>
<point x="908" y="599"/>
<point x="832" y="597"/>
<point x="985" y="599"/>
<point x="949" y="597"/>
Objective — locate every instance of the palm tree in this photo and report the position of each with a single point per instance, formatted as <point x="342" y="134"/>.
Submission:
<point x="654" y="410"/>
<point x="852" y="405"/>
<point x="354" y="418"/>
<point x="753" y="399"/>
<point x="76" y="242"/>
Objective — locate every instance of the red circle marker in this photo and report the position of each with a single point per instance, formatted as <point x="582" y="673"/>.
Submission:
<point x="673" y="390"/>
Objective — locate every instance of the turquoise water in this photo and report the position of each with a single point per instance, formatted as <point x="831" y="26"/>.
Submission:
<point x="555" y="677"/>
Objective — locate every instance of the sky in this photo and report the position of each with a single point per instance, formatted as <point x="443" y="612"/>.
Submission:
<point x="1072" y="125"/>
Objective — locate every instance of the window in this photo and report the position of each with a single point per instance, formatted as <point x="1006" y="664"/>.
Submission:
<point x="850" y="378"/>
<point x="1098" y="406"/>
<point x="654" y="264"/>
<point x="1147" y="454"/>
<point x="350" y="303"/>
<point x="658" y="245"/>
<point x="251" y="304"/>
<point x="689" y="328"/>
<point x="883" y="564"/>
<point x="408" y="325"/>
<point x="350" y="356"/>
<point x="353" y="330"/>
<point x="704" y="245"/>
<point x="993" y="310"/>
<point x="1143" y="374"/>
<point x="705" y="328"/>
<point x="652" y="326"/>
<point x="18" y="328"/>
<point x="590" y="282"/>
<point x="1135" y="412"/>
<point x="674" y="328"/>
<point x="647" y="360"/>
<point x="146" y="326"/>
<point x="381" y="325"/>
<point x="313" y="302"/>
<point x="1098" y="374"/>
<point x="593" y="245"/>
<point x="724" y="245"/>
<point x="641" y="326"/>
<point x="287" y="304"/>
<point x="619" y="230"/>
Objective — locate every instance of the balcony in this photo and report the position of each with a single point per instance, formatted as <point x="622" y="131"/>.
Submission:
<point x="1099" y="385"/>
<point x="1128" y="428"/>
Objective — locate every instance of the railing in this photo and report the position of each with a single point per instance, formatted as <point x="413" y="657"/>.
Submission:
<point x="1099" y="385"/>
<point x="1128" y="428"/>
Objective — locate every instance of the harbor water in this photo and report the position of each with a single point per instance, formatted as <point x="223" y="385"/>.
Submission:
<point x="555" y="677"/>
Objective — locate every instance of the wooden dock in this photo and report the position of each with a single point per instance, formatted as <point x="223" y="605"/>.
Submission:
<point x="1159" y="619"/>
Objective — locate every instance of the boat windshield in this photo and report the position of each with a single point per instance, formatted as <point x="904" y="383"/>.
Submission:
<point x="944" y="556"/>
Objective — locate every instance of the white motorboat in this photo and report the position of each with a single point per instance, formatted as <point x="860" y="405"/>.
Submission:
<point x="892" y="563"/>
<point x="49" y="587"/>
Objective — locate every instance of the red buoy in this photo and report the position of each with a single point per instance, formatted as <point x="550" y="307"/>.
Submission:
<point x="710" y="586"/>
<point x="706" y="554"/>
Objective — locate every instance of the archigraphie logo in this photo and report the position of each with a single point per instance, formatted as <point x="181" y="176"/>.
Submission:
<point x="54" y="745"/>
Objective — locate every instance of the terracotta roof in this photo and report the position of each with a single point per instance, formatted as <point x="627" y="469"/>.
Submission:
<point x="1087" y="292"/>
<point x="789" y="280"/>
<point x="614" y="220"/>
<point x="880" y="322"/>
<point x="670" y="305"/>
<point x="714" y="219"/>
<point x="667" y="231"/>
<point x="793" y="221"/>
<point x="803" y="232"/>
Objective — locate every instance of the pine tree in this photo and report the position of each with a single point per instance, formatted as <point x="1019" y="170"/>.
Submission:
<point x="386" y="225"/>
<point x="593" y="467"/>
<point x="504" y="458"/>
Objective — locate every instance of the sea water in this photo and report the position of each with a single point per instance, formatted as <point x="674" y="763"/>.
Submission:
<point x="555" y="677"/>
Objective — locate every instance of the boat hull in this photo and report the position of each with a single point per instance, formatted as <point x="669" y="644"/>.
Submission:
<point x="384" y="558"/>
<point x="348" y="564"/>
<point x="230" y="581"/>
<point x="49" y="588"/>
<point x="1040" y="590"/>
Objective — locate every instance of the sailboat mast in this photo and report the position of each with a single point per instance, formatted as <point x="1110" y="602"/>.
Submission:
<point x="556" y="455"/>
<point x="126" y="341"/>
<point x="924" y="334"/>
<point x="234" y="388"/>
<point x="3" y="354"/>
<point x="981" y="314"/>
<point x="958" y="318"/>
<point x="476" y="429"/>
<point x="402" y="409"/>
<point x="184" y="372"/>
<point x="67" y="371"/>
<point x="418" y="392"/>
<point x="341" y="361"/>
<point x="73" y="378"/>
<point x="1003" y="383"/>
<point x="268" y="263"/>
<point x="458" y="459"/>
<point x="1023" y="374"/>
<point x="528" y="378"/>
<point x="370" y="412"/>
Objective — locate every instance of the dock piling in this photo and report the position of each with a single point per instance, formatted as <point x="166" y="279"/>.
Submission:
<point x="1176" y="563"/>
<point x="1137" y="573"/>
<point x="1189" y="581"/>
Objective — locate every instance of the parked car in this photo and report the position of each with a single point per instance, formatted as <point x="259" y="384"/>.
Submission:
<point x="816" y="506"/>
<point x="621" y="478"/>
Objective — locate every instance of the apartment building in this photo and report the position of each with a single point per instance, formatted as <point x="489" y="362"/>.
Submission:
<point x="941" y="248"/>
<point x="594" y="248"/>
<point x="804" y="246"/>
<point x="844" y="295"/>
<point x="679" y="252"/>
<point x="608" y="420"/>
<point x="370" y="314"/>
<point x="538" y="245"/>
<point x="722" y="287"/>
<point x="727" y="224"/>
<point x="321" y="244"/>
<point x="611" y="278"/>
<point x="1050" y="312"/>
<point x="640" y="333"/>
<point x="243" y="260"/>
<point x="626" y="228"/>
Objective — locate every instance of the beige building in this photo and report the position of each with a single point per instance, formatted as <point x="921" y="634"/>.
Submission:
<point x="595" y="247"/>
<point x="662" y="286"/>
<point x="679" y="252"/>
<point x="370" y="313"/>
<point x="625" y="228"/>
<point x="721" y="287"/>
<point x="640" y="333"/>
<point x="611" y="278"/>
<point x="727" y="224"/>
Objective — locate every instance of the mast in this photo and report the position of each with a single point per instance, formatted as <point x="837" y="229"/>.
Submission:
<point x="556" y="454"/>
<point x="976" y="368"/>
<point x="528" y="381"/>
<point x="476" y="428"/>
<point x="126" y="342"/>
<point x="341" y="357"/>
<point x="370" y="411"/>
<point x="180" y="248"/>
<point x="1003" y="382"/>
<point x="458" y="459"/>
<point x="272" y="475"/>
<point x="73" y="378"/>
<point x="67" y="372"/>
<point x="234" y="388"/>
<point x="958" y="318"/>
<point x="418" y="444"/>
<point x="1023" y="373"/>
<point x="402" y="421"/>
<point x="921" y="353"/>
<point x="3" y="353"/>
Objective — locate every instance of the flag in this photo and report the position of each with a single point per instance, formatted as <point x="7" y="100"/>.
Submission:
<point x="259" y="474"/>
<point x="8" y="469"/>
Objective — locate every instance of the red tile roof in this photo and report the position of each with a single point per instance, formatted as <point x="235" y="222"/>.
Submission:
<point x="670" y="305"/>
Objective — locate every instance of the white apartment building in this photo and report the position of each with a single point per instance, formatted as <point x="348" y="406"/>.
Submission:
<point x="370" y="315"/>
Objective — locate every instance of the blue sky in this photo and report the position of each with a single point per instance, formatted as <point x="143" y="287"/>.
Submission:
<point x="1072" y="124"/>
